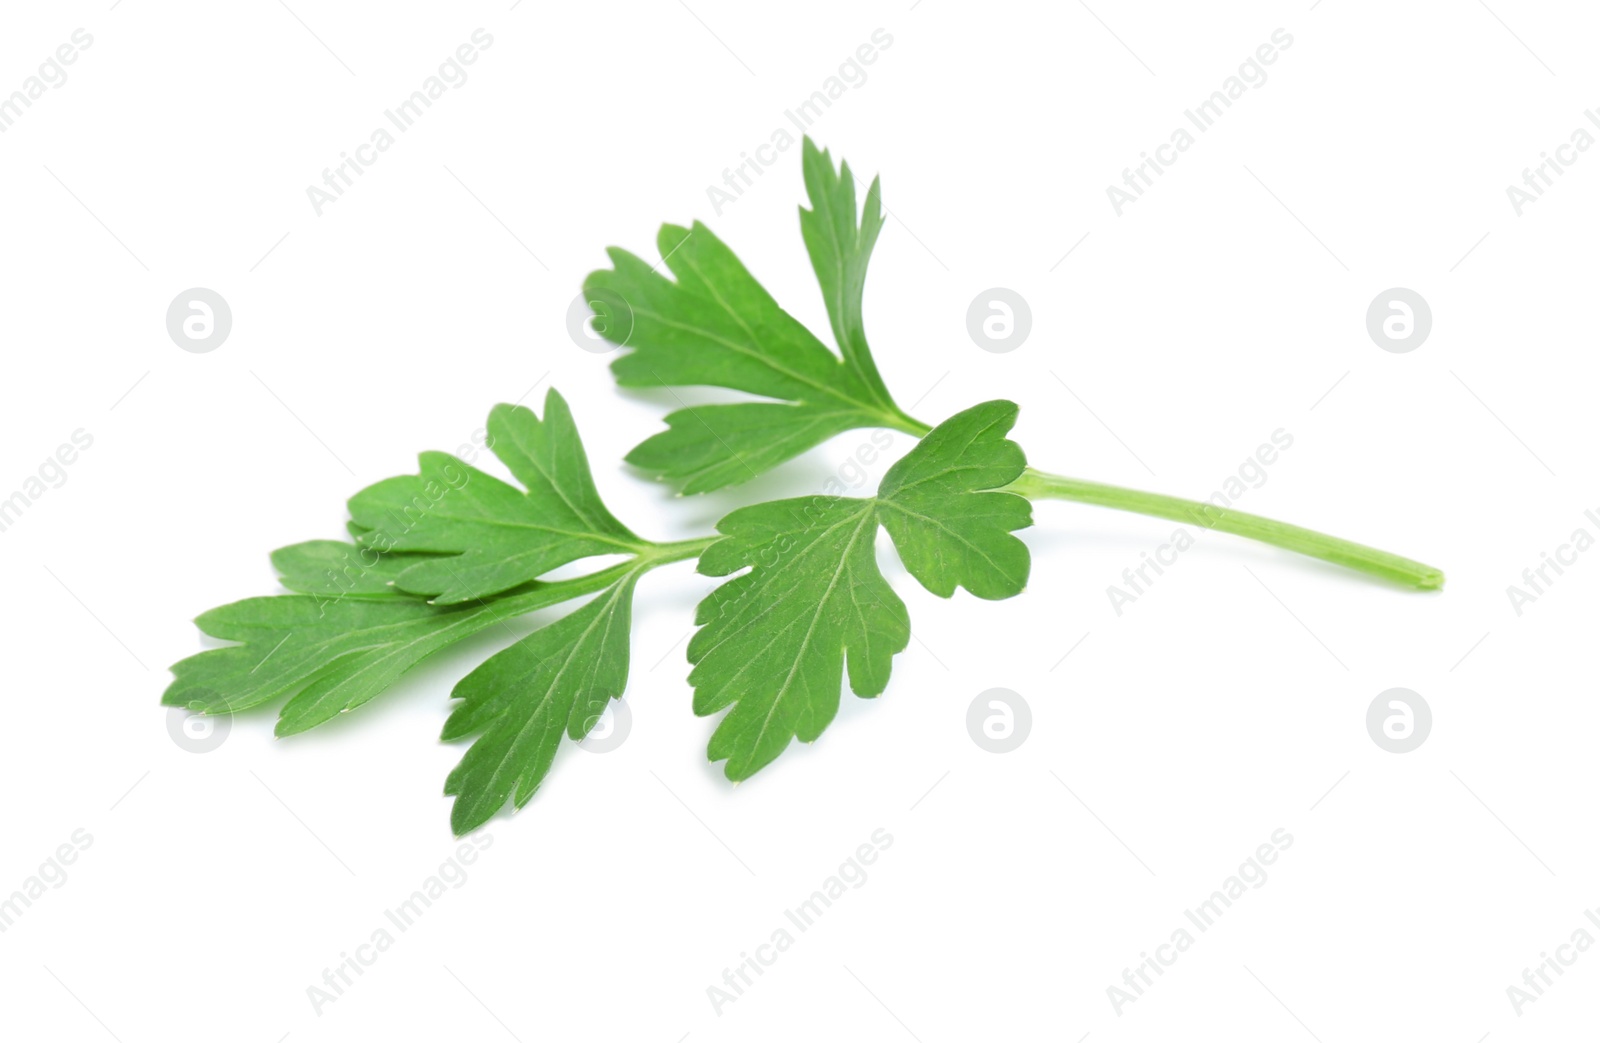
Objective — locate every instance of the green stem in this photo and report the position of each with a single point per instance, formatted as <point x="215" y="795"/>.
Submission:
<point x="543" y="595"/>
<point x="1037" y="485"/>
<point x="899" y="420"/>
<point x="682" y="550"/>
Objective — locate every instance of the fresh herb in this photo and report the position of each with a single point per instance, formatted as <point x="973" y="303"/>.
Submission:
<point x="452" y="551"/>
<point x="773" y="640"/>
<point x="716" y="326"/>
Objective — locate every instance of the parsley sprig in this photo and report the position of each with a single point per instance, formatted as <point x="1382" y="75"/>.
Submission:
<point x="452" y="551"/>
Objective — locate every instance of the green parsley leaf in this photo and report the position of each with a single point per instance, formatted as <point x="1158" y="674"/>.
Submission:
<point x="774" y="641"/>
<point x="333" y="568"/>
<point x="840" y="250"/>
<point x="716" y="326"/>
<point x="522" y="699"/>
<point x="332" y="655"/>
<point x="486" y="536"/>
<point x="948" y="531"/>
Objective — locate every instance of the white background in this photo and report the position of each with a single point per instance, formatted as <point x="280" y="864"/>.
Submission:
<point x="1227" y="702"/>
